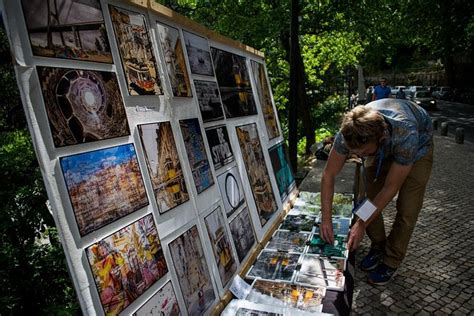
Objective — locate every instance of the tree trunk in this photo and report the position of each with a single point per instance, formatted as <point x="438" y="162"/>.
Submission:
<point x="294" y="85"/>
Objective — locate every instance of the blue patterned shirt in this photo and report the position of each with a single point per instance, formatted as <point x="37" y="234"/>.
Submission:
<point x="411" y="131"/>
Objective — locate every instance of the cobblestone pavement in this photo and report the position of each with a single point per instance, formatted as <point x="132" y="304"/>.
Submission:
<point x="437" y="275"/>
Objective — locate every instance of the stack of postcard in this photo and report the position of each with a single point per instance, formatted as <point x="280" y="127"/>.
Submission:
<point x="322" y="271"/>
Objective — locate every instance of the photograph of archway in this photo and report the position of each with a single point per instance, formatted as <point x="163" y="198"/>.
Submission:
<point x="136" y="52"/>
<point x="82" y="105"/>
<point x="67" y="29"/>
<point x="164" y="166"/>
<point x="232" y="191"/>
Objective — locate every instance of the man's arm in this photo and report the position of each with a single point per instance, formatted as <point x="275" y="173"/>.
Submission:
<point x="393" y="182"/>
<point x="333" y="166"/>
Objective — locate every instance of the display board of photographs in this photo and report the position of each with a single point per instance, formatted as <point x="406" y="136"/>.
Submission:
<point x="232" y="191"/>
<point x="136" y="51"/>
<point x="281" y="169"/>
<point x="197" y="156"/>
<point x="82" y="105"/>
<point x="219" y="144"/>
<point x="79" y="36"/>
<point x="164" y="166"/>
<point x="220" y="244"/>
<point x="233" y="79"/>
<point x="192" y="272"/>
<point x="173" y="54"/>
<point x="103" y="185"/>
<point x="257" y="172"/>
<point x="163" y="302"/>
<point x="265" y="98"/>
<point x="87" y="108"/>
<point x="126" y="263"/>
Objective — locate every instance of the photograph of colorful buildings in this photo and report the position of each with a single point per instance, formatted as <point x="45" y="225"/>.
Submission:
<point x="103" y="185"/>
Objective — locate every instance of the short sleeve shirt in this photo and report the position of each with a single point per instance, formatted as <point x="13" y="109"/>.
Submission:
<point x="411" y="131"/>
<point x="382" y="92"/>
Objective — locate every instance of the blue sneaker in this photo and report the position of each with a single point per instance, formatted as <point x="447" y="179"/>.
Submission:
<point x="381" y="275"/>
<point x="371" y="260"/>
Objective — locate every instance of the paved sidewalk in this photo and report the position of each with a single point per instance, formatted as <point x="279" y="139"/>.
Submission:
<point x="437" y="276"/>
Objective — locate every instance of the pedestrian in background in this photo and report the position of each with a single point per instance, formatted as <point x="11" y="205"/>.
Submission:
<point x="394" y="138"/>
<point x="401" y="94"/>
<point x="381" y="91"/>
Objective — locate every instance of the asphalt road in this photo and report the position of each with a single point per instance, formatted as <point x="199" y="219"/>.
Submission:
<point x="457" y="115"/>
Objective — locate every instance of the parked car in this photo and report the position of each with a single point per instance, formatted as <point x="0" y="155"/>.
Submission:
<point x="395" y="90"/>
<point x="441" y="93"/>
<point x="424" y="99"/>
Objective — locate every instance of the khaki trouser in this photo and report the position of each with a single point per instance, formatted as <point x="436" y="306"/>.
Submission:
<point x="409" y="203"/>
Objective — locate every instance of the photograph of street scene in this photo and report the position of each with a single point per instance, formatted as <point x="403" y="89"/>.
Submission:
<point x="220" y="246"/>
<point x="263" y="91"/>
<point x="125" y="264"/>
<point x="192" y="272"/>
<point x="209" y="100"/>
<point x="257" y="172"/>
<point x="67" y="29"/>
<point x="174" y="59"/>
<point x="136" y="52"/>
<point x="163" y="303"/>
<point x="163" y="164"/>
<point x="197" y="156"/>
<point x="103" y="185"/>
<point x="242" y="233"/>
<point x="234" y="84"/>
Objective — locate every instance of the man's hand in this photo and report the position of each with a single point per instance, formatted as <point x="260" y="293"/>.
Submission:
<point x="325" y="229"/>
<point x="356" y="234"/>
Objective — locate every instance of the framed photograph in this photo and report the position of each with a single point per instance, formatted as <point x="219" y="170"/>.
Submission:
<point x="219" y="144"/>
<point x="287" y="241"/>
<point x="297" y="223"/>
<point x="274" y="265"/>
<point x="193" y="275"/>
<point x="170" y="41"/>
<point x="209" y="100"/>
<point x="163" y="164"/>
<point x="125" y="264"/>
<point x="163" y="303"/>
<point x="82" y="105"/>
<point x="199" y="55"/>
<point x="263" y="92"/>
<point x="257" y="172"/>
<point x="320" y="271"/>
<point x="232" y="191"/>
<point x="293" y="295"/>
<point x="103" y="185"/>
<point x="242" y="233"/>
<point x="281" y="169"/>
<point x="136" y="52"/>
<point x="68" y="29"/>
<point x="220" y="246"/>
<point x="197" y="156"/>
<point x="234" y="84"/>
